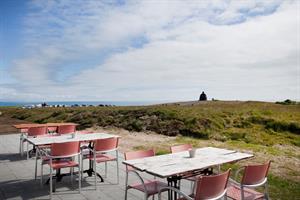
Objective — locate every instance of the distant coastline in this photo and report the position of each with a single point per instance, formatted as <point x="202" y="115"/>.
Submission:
<point x="86" y="103"/>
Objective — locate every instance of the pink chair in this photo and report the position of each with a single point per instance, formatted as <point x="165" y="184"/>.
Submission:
<point x="208" y="188"/>
<point x="180" y="148"/>
<point x="254" y="176"/>
<point x="62" y="156"/>
<point x="148" y="187"/>
<point x="66" y="129"/>
<point x="100" y="154"/>
<point x="35" y="132"/>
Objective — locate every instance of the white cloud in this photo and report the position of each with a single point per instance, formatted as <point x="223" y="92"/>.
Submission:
<point x="185" y="53"/>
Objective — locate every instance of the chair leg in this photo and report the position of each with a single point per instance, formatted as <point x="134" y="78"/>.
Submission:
<point x="22" y="147"/>
<point x="266" y="191"/>
<point x="117" y="160"/>
<point x="95" y="171"/>
<point x="105" y="169"/>
<point x="81" y="167"/>
<point x="50" y="182"/>
<point x="27" y="151"/>
<point x="21" y="138"/>
<point x="36" y="158"/>
<point x="79" y="174"/>
<point x="126" y="187"/>
<point x="71" y="172"/>
<point x="118" y="172"/>
<point x="41" y="173"/>
<point x="242" y="192"/>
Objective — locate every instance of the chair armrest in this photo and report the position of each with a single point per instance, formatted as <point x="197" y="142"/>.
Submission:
<point x="175" y="190"/>
<point x="139" y="177"/>
<point x="237" y="172"/>
<point x="43" y="152"/>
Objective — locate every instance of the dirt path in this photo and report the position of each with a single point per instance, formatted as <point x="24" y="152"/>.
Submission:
<point x="138" y="140"/>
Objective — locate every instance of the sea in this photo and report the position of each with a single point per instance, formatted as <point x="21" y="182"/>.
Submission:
<point x="86" y="103"/>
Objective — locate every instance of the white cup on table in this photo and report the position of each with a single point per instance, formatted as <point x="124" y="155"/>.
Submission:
<point x="192" y="153"/>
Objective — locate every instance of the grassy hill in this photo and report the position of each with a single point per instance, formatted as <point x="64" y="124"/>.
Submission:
<point x="269" y="130"/>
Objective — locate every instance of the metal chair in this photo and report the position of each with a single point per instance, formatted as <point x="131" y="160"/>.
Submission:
<point x="66" y="129"/>
<point x="254" y="176"/>
<point x="62" y="156"/>
<point x="181" y="148"/>
<point x="100" y="154"/>
<point x="35" y="132"/>
<point x="208" y="187"/>
<point x="148" y="187"/>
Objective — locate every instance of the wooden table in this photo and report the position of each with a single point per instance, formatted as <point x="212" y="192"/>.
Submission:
<point x="26" y="126"/>
<point x="179" y="165"/>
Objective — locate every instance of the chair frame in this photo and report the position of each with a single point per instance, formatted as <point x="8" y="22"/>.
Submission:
<point x="184" y="195"/>
<point x="51" y="158"/>
<point x="139" y="177"/>
<point x="264" y="181"/>
<point x="95" y="153"/>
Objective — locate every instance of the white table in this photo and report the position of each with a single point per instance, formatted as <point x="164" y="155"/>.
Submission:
<point x="68" y="138"/>
<point x="178" y="165"/>
<point x="45" y="140"/>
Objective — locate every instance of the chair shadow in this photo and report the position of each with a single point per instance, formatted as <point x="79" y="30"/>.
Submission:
<point x="11" y="157"/>
<point x="31" y="189"/>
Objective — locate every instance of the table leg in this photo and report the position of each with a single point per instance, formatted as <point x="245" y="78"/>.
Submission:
<point x="173" y="182"/>
<point x="91" y="171"/>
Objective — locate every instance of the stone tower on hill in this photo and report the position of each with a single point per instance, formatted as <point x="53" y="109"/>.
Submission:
<point x="202" y="97"/>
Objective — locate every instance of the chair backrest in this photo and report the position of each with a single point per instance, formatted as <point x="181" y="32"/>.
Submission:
<point x="66" y="129"/>
<point x="85" y="132"/>
<point x="24" y="130"/>
<point x="106" y="144"/>
<point x="209" y="187"/>
<point x="255" y="174"/>
<point x="65" y="149"/>
<point x="37" y="131"/>
<point x="179" y="148"/>
<point x="138" y="154"/>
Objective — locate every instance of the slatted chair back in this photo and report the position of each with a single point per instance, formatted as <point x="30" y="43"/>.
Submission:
<point x="106" y="144"/>
<point x="66" y="129"/>
<point x="138" y="154"/>
<point x="65" y="149"/>
<point x="255" y="174"/>
<point x="180" y="148"/>
<point x="37" y="131"/>
<point x="212" y="187"/>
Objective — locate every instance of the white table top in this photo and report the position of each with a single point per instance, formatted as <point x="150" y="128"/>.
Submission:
<point x="178" y="163"/>
<point x="68" y="138"/>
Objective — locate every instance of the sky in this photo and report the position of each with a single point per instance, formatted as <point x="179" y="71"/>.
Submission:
<point x="150" y="50"/>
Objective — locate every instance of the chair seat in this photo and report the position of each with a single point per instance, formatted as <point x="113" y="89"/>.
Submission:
<point x="57" y="164"/>
<point x="101" y="157"/>
<point x="234" y="192"/>
<point x="152" y="186"/>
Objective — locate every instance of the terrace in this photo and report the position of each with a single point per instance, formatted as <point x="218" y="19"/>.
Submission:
<point x="17" y="179"/>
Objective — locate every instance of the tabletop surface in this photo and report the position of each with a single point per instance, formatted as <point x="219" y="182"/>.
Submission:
<point x="20" y="126"/>
<point x="179" y="163"/>
<point x="68" y="138"/>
